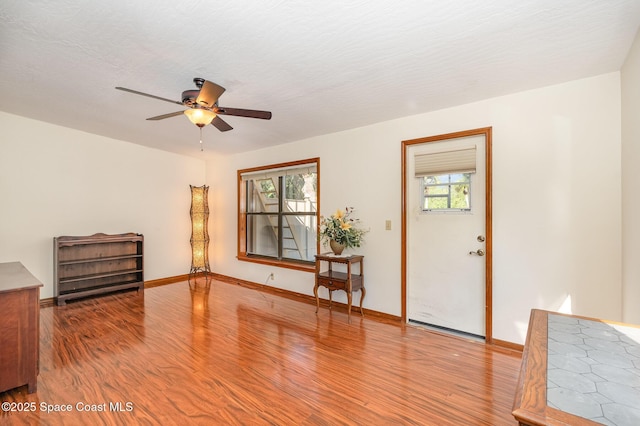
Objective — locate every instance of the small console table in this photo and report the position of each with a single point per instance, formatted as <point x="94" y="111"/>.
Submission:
<point x="19" y="327"/>
<point x="335" y="280"/>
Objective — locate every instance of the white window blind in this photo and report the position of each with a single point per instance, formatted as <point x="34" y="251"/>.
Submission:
<point x="280" y="171"/>
<point x="439" y="163"/>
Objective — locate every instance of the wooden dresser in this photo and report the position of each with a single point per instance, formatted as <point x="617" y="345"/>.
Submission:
<point x="20" y="325"/>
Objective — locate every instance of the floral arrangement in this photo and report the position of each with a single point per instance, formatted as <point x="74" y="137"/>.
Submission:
<point x="342" y="228"/>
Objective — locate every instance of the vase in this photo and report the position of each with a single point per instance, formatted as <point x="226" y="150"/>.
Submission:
<point x="336" y="247"/>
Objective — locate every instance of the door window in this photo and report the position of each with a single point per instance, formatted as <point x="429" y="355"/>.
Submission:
<point x="446" y="192"/>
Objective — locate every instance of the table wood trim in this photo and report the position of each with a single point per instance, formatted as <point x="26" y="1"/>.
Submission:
<point x="530" y="403"/>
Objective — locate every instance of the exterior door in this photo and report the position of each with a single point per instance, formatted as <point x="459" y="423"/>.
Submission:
<point x="446" y="241"/>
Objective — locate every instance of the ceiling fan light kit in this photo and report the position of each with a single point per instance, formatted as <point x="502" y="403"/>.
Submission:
<point x="200" y="116"/>
<point x="203" y="106"/>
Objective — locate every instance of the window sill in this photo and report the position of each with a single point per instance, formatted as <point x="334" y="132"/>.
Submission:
<point x="305" y="267"/>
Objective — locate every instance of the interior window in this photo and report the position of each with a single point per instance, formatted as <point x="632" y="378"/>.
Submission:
<point x="278" y="213"/>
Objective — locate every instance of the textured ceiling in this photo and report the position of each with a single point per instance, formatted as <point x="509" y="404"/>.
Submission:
<point x="319" y="66"/>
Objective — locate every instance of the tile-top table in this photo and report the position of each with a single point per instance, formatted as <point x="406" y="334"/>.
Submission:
<point x="579" y="371"/>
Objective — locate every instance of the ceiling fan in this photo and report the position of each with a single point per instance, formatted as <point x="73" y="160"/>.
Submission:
<point x="203" y="106"/>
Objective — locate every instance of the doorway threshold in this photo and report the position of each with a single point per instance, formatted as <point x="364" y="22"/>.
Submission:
<point x="446" y="330"/>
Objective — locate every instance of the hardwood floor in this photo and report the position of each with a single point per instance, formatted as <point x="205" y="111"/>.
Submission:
<point x="233" y="355"/>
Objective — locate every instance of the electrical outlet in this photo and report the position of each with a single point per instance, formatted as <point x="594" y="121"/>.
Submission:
<point x="387" y="225"/>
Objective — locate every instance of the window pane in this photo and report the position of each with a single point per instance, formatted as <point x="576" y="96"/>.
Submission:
<point x="436" y="190"/>
<point x="460" y="196"/>
<point x="433" y="203"/>
<point x="299" y="237"/>
<point x="300" y="192"/>
<point x="460" y="178"/>
<point x="262" y="195"/>
<point x="436" y="180"/>
<point x="262" y="235"/>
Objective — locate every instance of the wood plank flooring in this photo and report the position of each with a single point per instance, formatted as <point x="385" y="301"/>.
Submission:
<point x="237" y="356"/>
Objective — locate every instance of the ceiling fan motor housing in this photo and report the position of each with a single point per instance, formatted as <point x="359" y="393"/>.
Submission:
<point x="189" y="97"/>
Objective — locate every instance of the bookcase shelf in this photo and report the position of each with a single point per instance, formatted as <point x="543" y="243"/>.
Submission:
<point x="96" y="264"/>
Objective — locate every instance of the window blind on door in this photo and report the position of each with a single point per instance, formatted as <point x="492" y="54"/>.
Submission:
<point x="439" y="163"/>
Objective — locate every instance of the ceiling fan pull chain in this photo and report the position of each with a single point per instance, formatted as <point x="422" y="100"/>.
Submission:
<point x="201" y="147"/>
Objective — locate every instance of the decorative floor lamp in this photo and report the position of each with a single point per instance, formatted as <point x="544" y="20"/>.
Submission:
<point x="199" y="231"/>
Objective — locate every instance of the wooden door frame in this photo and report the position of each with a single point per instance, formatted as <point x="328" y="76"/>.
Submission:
<point x="486" y="132"/>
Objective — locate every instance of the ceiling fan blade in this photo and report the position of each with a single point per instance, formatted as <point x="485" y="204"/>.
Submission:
<point x="220" y="124"/>
<point x="148" y="95"/>
<point x="209" y="94"/>
<point x="163" y="116"/>
<point x="251" y="113"/>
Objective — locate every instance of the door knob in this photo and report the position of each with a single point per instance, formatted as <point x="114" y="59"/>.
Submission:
<point x="479" y="252"/>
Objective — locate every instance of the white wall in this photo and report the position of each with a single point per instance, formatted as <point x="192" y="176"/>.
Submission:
<point x="58" y="181"/>
<point x="557" y="197"/>
<point x="556" y="200"/>
<point x="630" y="75"/>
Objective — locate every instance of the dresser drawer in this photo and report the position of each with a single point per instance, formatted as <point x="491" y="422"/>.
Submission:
<point x="332" y="284"/>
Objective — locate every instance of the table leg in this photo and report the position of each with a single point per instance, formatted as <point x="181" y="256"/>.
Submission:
<point x="315" y="291"/>
<point x="364" y="292"/>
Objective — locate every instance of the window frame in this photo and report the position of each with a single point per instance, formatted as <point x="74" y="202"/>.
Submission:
<point x="242" y="255"/>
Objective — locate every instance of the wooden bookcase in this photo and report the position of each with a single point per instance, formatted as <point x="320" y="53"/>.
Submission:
<point x="96" y="264"/>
